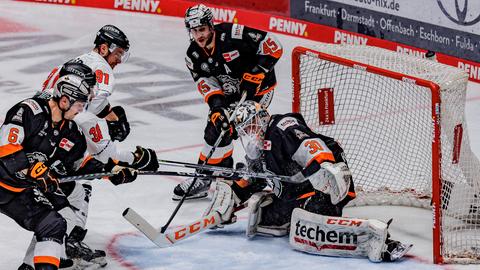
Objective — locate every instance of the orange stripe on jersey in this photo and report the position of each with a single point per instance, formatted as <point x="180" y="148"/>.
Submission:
<point x="216" y="160"/>
<point x="277" y="54"/>
<point x="9" y="149"/>
<point x="263" y="92"/>
<point x="324" y="156"/>
<point x="46" y="259"/>
<point x="47" y="84"/>
<point x="242" y="183"/>
<point x="8" y="187"/>
<point x="85" y="160"/>
<point x="216" y="92"/>
<point x="352" y="194"/>
<point x="306" y="195"/>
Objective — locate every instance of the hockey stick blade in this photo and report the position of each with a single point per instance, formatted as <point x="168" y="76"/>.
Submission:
<point x="146" y="228"/>
<point x="174" y="235"/>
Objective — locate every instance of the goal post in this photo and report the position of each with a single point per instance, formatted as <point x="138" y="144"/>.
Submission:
<point x="400" y="120"/>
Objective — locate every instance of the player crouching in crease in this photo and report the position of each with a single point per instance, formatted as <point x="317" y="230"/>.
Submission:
<point x="72" y="199"/>
<point x="311" y="210"/>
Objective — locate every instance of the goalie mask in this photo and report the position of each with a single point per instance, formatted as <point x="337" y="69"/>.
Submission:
<point x="251" y="122"/>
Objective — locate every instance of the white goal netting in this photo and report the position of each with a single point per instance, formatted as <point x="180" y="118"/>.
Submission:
<point x="400" y="120"/>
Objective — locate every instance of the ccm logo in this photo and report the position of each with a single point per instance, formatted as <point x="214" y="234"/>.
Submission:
<point x="194" y="227"/>
<point x="253" y="78"/>
<point x="344" y="222"/>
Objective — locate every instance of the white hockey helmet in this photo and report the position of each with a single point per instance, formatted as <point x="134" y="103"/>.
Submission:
<point x="251" y="121"/>
<point x="74" y="87"/>
<point x="198" y="15"/>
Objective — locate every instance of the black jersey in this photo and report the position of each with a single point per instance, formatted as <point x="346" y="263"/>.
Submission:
<point x="290" y="146"/>
<point x="28" y="136"/>
<point x="238" y="49"/>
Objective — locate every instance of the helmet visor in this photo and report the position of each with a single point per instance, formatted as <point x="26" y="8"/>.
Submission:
<point x="119" y="52"/>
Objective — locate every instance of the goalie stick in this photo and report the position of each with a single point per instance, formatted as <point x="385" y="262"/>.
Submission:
<point x="173" y="235"/>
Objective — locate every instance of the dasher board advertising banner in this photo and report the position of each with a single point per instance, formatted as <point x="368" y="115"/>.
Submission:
<point x="447" y="26"/>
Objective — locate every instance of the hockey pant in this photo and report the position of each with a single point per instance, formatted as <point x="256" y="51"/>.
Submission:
<point x="73" y="208"/>
<point x="32" y="210"/>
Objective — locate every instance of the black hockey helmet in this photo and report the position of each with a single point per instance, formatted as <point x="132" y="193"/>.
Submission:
<point x="198" y="15"/>
<point x="80" y="69"/>
<point x="112" y="35"/>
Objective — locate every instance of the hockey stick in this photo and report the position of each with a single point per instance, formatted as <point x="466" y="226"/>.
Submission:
<point x="168" y="239"/>
<point x="227" y="172"/>
<point x="169" y="173"/>
<point x="215" y="145"/>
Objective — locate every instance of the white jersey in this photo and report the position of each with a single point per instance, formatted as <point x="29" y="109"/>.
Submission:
<point x="104" y="75"/>
<point x="105" y="80"/>
<point x="99" y="143"/>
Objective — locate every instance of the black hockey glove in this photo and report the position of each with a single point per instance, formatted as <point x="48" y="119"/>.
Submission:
<point x="251" y="82"/>
<point x="40" y="174"/>
<point x="120" y="129"/>
<point x="145" y="159"/>
<point x="219" y="118"/>
<point x="123" y="175"/>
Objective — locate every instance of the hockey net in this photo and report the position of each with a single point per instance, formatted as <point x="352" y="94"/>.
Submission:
<point x="400" y="120"/>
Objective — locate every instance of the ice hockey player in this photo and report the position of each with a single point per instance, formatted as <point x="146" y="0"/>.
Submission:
<point x="102" y="124"/>
<point x="39" y="143"/>
<point x="311" y="210"/>
<point x="103" y="150"/>
<point x="226" y="60"/>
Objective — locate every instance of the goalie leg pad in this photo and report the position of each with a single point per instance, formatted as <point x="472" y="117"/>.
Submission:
<point x="337" y="236"/>
<point x="255" y="204"/>
<point x="223" y="202"/>
<point x="268" y="215"/>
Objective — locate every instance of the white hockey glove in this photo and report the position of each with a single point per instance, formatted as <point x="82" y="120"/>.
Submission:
<point x="333" y="179"/>
<point x="224" y="201"/>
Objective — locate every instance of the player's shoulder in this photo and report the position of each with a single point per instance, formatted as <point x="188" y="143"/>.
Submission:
<point x="286" y="121"/>
<point x="36" y="106"/>
<point x="95" y="61"/>
<point x="193" y="52"/>
<point x="28" y="112"/>
<point x="230" y="31"/>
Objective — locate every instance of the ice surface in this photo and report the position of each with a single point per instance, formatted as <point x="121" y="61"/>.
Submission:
<point x="167" y="114"/>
